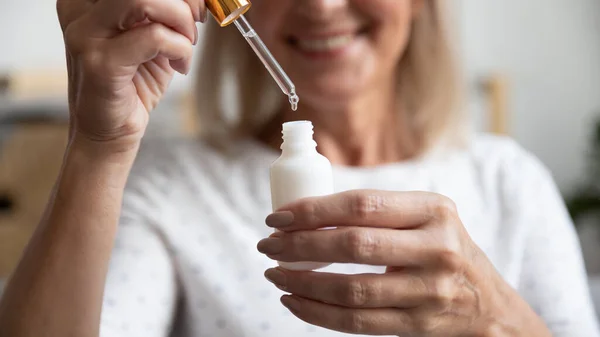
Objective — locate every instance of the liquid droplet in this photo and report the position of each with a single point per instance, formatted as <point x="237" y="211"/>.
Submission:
<point x="294" y="99"/>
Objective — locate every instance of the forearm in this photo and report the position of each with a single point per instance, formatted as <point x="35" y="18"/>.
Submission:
<point x="57" y="287"/>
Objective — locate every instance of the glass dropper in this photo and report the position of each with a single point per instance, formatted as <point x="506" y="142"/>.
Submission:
<point x="268" y="60"/>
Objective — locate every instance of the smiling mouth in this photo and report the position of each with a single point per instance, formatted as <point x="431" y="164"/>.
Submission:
<point x="326" y="43"/>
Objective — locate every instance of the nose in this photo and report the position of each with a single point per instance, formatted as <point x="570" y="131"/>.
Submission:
<point x="321" y="8"/>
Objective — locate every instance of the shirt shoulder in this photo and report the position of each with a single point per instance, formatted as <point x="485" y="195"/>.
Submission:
<point x="526" y="199"/>
<point x="513" y="171"/>
<point x="503" y="152"/>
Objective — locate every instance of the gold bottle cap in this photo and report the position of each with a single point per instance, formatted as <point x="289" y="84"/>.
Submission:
<point x="226" y="11"/>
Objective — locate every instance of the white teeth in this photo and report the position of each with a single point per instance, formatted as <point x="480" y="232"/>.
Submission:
<point x="326" y="44"/>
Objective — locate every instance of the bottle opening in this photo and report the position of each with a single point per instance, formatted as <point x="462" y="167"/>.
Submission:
<point x="298" y="133"/>
<point x="297" y="125"/>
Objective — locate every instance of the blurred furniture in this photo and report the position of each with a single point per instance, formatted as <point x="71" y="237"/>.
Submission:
<point x="35" y="84"/>
<point x="496" y="94"/>
<point x="30" y="158"/>
<point x="33" y="136"/>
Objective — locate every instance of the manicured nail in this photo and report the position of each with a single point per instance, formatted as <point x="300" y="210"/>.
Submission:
<point x="277" y="277"/>
<point x="290" y="302"/>
<point x="270" y="246"/>
<point x="196" y="14"/>
<point x="280" y="219"/>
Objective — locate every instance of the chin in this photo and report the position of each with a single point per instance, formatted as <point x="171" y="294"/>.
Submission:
<point x="331" y="91"/>
<point x="328" y="99"/>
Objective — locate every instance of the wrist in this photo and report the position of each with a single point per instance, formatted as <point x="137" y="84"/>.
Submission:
<point x="118" y="151"/>
<point x="512" y="316"/>
<point x="108" y="163"/>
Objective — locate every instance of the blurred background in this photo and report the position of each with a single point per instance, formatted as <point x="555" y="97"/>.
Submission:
<point x="532" y="69"/>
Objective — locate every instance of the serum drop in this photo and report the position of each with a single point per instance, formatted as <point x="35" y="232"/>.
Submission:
<point x="299" y="172"/>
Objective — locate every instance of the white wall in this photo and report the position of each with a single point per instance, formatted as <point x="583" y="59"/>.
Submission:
<point x="30" y="37"/>
<point x="29" y="34"/>
<point x="550" y="49"/>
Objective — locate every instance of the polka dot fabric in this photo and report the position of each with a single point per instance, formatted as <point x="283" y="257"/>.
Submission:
<point x="185" y="261"/>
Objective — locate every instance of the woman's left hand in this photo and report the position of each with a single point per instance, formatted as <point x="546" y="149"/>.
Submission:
<point x="437" y="281"/>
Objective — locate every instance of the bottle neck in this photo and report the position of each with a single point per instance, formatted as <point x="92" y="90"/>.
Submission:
<point x="298" y="137"/>
<point x="298" y="147"/>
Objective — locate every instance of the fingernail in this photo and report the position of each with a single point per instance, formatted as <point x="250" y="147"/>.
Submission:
<point x="290" y="302"/>
<point x="203" y="16"/>
<point x="270" y="246"/>
<point x="195" y="35"/>
<point x="277" y="277"/>
<point x="280" y="219"/>
<point x="179" y="66"/>
<point x="196" y="14"/>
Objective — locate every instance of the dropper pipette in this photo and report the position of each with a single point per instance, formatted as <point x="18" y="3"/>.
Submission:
<point x="226" y="12"/>
<point x="268" y="60"/>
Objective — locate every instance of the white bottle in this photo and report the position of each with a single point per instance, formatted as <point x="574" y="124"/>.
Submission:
<point x="299" y="172"/>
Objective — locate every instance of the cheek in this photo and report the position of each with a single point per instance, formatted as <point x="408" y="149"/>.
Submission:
<point x="267" y="18"/>
<point x="393" y="20"/>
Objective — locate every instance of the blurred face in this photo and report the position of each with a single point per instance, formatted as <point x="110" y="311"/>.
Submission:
<point x="334" y="50"/>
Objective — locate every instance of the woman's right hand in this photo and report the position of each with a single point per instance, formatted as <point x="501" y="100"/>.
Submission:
<point x="121" y="57"/>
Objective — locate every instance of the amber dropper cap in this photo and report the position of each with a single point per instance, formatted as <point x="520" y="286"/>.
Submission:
<point x="227" y="11"/>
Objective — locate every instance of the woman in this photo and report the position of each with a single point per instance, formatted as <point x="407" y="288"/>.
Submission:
<point x="487" y="250"/>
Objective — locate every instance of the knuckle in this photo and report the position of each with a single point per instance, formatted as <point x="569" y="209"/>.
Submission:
<point x="363" y="206"/>
<point x="306" y="206"/>
<point x="450" y="257"/>
<point x="444" y="208"/>
<point x="299" y="244"/>
<point x="95" y="62"/>
<point x="359" y="245"/>
<point x="74" y="40"/>
<point x="353" y="322"/>
<point x="354" y="294"/>
<point x="306" y="211"/>
<point x="425" y="326"/>
<point x="443" y="291"/>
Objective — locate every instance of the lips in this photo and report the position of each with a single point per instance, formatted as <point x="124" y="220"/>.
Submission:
<point x="326" y="41"/>
<point x="326" y="44"/>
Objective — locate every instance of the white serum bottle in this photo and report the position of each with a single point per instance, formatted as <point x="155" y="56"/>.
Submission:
<point x="299" y="172"/>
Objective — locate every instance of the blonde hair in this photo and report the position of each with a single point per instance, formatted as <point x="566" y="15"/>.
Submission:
<point x="428" y="85"/>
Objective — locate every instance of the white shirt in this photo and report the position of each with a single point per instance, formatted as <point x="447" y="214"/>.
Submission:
<point x="185" y="257"/>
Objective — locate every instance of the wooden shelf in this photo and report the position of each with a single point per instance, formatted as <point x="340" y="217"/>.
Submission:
<point x="30" y="159"/>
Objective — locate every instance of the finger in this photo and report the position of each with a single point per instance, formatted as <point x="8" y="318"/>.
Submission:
<point x="151" y="79"/>
<point x="145" y="43"/>
<point x="362" y="208"/>
<point x="383" y="321"/>
<point x="110" y="17"/>
<point x="399" y="290"/>
<point x="370" y="246"/>
<point x="198" y="8"/>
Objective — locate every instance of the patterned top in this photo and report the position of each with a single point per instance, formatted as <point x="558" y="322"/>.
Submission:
<point x="185" y="261"/>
